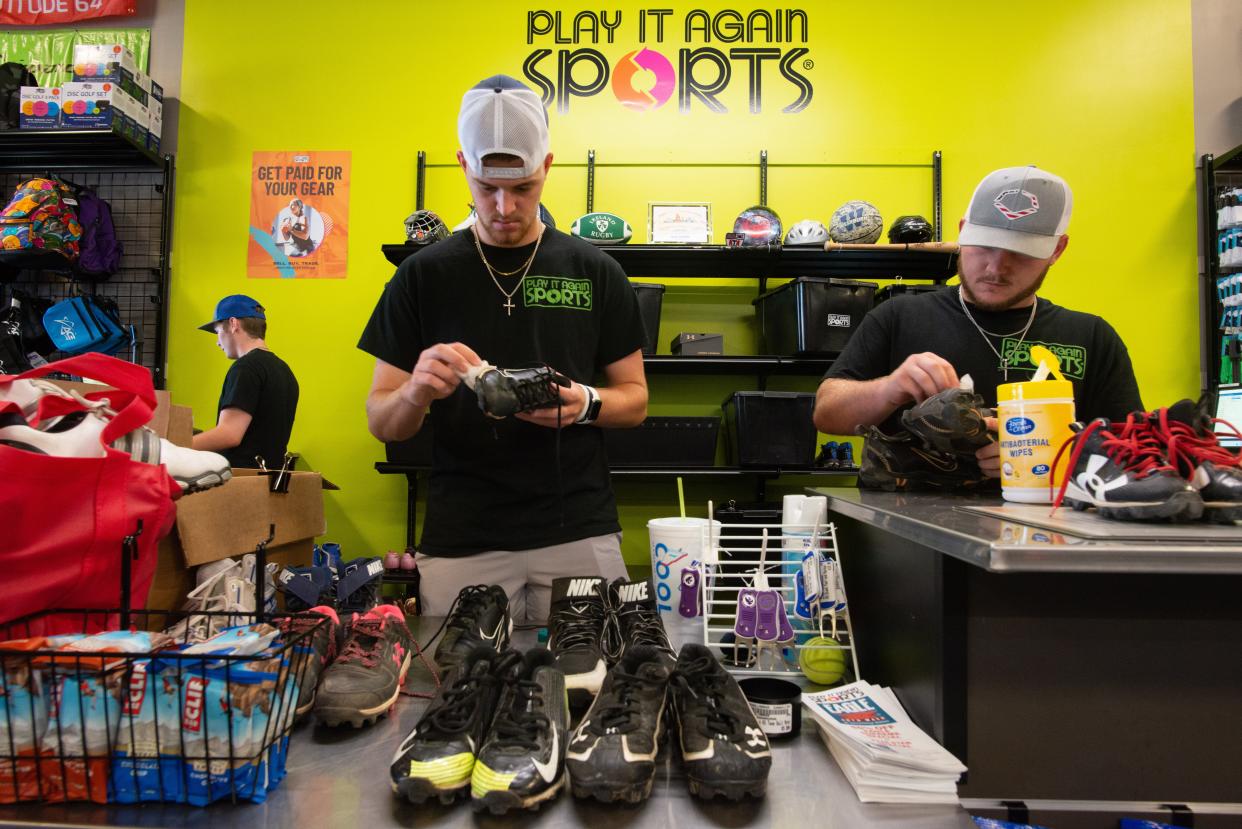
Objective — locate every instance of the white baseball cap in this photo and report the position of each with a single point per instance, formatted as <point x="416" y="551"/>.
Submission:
<point x="501" y="115"/>
<point x="1023" y="209"/>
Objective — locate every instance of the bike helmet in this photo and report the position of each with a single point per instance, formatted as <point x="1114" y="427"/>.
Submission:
<point x="807" y="232"/>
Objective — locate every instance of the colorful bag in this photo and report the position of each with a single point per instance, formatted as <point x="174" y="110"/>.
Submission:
<point x="41" y="217"/>
<point x="85" y="323"/>
<point x="65" y="518"/>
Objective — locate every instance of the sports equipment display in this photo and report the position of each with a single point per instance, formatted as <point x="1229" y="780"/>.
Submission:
<point x="602" y="229"/>
<point x="576" y="621"/>
<point x="1124" y="475"/>
<point x="758" y="226"/>
<point x="436" y="759"/>
<point x="522" y="764"/>
<point x="822" y="660"/>
<point x="910" y="229"/>
<point x="612" y="755"/>
<point x="856" y="221"/>
<point x="723" y="748"/>
<point x="807" y="232"/>
<point x="422" y="227"/>
<point x="365" y="679"/>
<point x="478" y="618"/>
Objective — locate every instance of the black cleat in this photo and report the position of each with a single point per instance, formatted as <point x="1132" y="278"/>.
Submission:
<point x="507" y="391"/>
<point x="479" y="617"/>
<point x="576" y="622"/>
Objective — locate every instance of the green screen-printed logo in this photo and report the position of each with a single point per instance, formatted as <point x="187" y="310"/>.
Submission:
<point x="555" y="292"/>
<point x="1073" y="357"/>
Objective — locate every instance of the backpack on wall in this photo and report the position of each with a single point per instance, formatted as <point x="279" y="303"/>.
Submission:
<point x="13" y="76"/>
<point x="85" y="323"/>
<point x="40" y="225"/>
<point x="99" y="251"/>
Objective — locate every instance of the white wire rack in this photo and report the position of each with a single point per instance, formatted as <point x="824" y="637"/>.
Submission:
<point x="749" y="556"/>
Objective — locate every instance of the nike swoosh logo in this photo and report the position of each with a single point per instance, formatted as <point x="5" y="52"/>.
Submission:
<point x="494" y="633"/>
<point x="548" y="770"/>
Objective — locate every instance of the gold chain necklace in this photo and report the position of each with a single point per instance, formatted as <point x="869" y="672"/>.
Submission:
<point x="493" y="272"/>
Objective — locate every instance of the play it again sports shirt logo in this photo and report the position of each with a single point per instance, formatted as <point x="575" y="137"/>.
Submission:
<point x="1073" y="357"/>
<point x="654" y="54"/>
<point x="557" y="292"/>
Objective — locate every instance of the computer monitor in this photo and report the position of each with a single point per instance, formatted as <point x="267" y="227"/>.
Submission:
<point x="1229" y="407"/>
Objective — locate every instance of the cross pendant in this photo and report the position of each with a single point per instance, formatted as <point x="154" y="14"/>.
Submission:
<point x="508" y="306"/>
<point x="1005" y="370"/>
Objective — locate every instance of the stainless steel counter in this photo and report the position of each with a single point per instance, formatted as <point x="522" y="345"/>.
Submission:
<point x="1027" y="539"/>
<point x="339" y="778"/>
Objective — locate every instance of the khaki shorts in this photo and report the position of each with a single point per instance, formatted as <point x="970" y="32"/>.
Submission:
<point x="525" y="575"/>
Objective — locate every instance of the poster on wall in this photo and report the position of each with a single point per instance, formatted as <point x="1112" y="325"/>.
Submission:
<point x="52" y="12"/>
<point x="299" y="215"/>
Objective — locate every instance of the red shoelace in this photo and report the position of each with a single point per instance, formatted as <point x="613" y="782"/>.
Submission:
<point x="1135" y="449"/>
<point x="1189" y="447"/>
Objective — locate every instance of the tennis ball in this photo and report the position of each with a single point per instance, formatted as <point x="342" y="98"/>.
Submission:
<point x="822" y="660"/>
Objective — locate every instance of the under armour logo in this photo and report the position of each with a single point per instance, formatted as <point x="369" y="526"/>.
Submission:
<point x="756" y="737"/>
<point x="1090" y="479"/>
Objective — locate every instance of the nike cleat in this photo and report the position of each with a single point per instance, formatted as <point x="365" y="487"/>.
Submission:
<point x="479" y="617"/>
<point x="723" y="749"/>
<point x="612" y="756"/>
<point x="436" y="759"/>
<point x="522" y="764"/>
<point x="638" y="619"/>
<point x="576" y="621"/>
<point x="508" y="391"/>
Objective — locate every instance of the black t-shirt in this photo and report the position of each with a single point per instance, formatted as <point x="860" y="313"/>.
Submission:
<point x="499" y="484"/>
<point x="1092" y="356"/>
<point x="262" y="385"/>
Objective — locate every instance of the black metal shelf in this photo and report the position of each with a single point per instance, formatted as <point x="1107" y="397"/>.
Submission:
<point x="728" y="365"/>
<point x="22" y="150"/>
<point x="386" y="468"/>
<point x="779" y="262"/>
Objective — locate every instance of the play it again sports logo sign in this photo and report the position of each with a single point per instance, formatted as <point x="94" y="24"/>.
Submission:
<point x="645" y="58"/>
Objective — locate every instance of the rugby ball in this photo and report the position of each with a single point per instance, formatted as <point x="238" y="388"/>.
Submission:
<point x="856" y="221"/>
<point x="602" y="229"/>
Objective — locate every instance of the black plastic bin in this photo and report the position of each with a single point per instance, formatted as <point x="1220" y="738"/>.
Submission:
<point x="770" y="428"/>
<point x="899" y="289"/>
<point x="812" y="315"/>
<point x="664" y="442"/>
<point x="650" y="298"/>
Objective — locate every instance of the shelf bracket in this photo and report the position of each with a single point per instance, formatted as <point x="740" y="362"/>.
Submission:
<point x="420" y="187"/>
<point x="937" y="213"/>
<point x="763" y="178"/>
<point x="590" y="181"/>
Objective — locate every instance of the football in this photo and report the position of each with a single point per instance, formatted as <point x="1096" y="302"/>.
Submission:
<point x="856" y="221"/>
<point x="602" y="229"/>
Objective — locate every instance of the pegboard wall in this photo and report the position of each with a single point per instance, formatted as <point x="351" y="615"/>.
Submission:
<point x="139" y="210"/>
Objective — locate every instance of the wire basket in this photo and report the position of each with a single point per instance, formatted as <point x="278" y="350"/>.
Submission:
<point x="154" y="726"/>
<point x="773" y="553"/>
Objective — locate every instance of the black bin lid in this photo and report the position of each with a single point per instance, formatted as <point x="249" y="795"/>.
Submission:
<point x="830" y="281"/>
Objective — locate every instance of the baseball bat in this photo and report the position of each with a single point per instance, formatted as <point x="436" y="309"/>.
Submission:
<point x="928" y="247"/>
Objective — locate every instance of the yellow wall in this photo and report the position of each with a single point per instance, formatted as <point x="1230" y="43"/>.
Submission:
<point x="1100" y="97"/>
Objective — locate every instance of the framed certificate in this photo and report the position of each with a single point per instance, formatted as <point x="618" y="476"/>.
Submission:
<point x="679" y="223"/>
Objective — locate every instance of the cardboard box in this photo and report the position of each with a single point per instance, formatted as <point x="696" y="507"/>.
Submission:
<point x="102" y="62"/>
<point x="231" y="520"/>
<point x="173" y="579"/>
<point x="40" y="108"/>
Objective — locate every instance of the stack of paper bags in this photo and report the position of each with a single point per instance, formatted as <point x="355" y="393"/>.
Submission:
<point x="884" y="755"/>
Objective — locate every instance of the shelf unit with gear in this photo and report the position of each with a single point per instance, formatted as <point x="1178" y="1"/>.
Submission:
<point x="724" y="267"/>
<point x="1221" y="285"/>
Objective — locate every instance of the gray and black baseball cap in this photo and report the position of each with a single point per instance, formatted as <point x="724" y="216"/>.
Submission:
<point x="502" y="115"/>
<point x="1023" y="209"/>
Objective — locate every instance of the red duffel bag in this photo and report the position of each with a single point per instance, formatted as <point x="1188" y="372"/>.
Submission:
<point x="64" y="520"/>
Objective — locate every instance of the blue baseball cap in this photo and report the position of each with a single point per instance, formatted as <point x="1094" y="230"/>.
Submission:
<point x="237" y="305"/>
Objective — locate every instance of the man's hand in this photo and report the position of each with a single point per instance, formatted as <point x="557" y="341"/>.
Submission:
<point x="437" y="373"/>
<point x="573" y="401"/>
<point x="989" y="456"/>
<point x="918" y="378"/>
